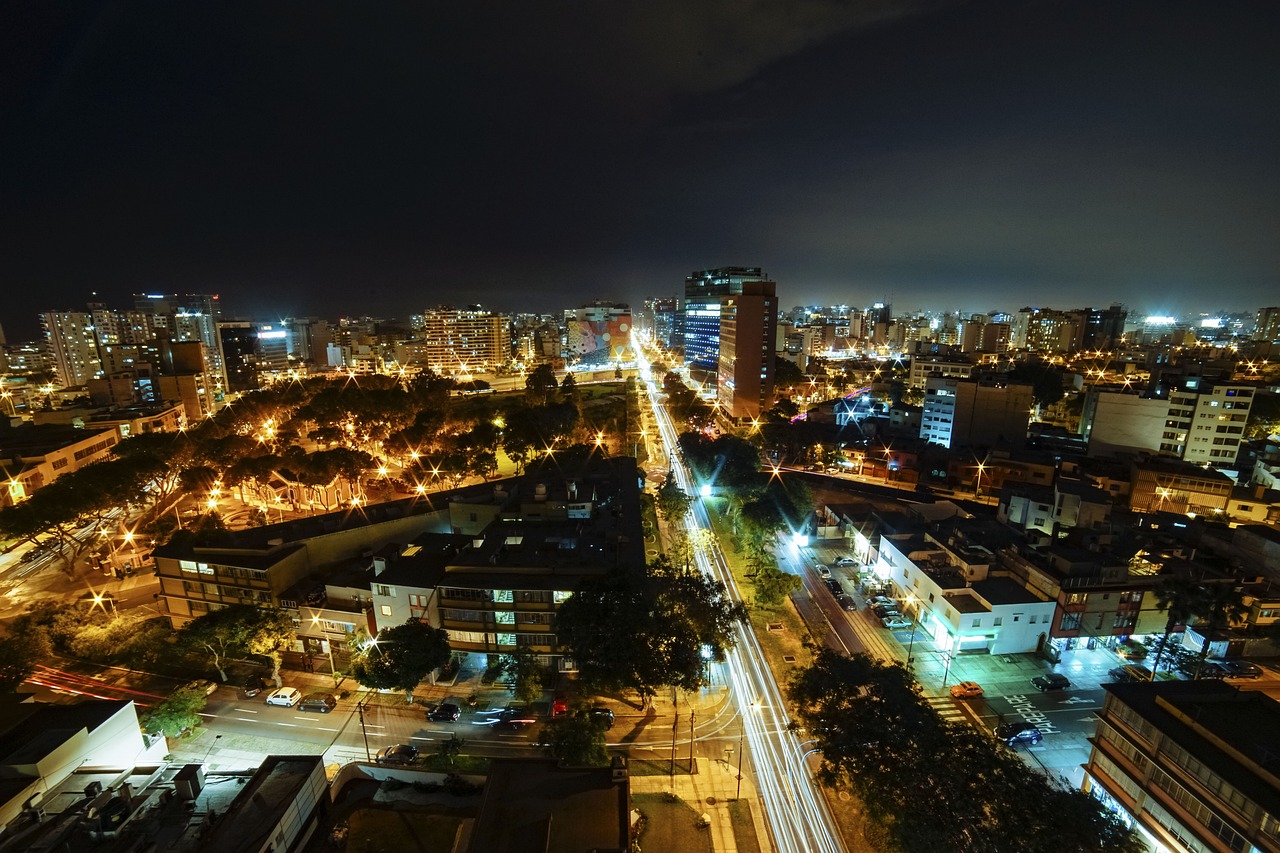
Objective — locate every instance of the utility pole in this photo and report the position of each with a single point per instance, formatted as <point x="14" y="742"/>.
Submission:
<point x="368" y="756"/>
<point x="675" y="727"/>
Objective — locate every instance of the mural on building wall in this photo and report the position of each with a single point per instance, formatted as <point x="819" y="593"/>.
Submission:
<point x="600" y="341"/>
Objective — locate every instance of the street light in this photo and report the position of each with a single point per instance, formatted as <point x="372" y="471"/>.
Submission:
<point x="915" y="622"/>
<point x="742" y="733"/>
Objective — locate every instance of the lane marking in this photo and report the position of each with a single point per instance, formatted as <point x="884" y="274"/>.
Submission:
<point x="290" y="725"/>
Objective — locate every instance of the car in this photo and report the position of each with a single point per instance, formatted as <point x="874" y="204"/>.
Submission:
<point x="286" y="696"/>
<point x="1130" y="673"/>
<point x="600" y="715"/>
<point x="516" y="717"/>
<point x="966" y="690"/>
<point x="1209" y="670"/>
<point x="834" y="586"/>
<point x="885" y="612"/>
<point x="445" y="712"/>
<point x="823" y="572"/>
<point x="320" y="703"/>
<point x="253" y="685"/>
<point x="846" y="602"/>
<point x="201" y="685"/>
<point x="559" y="707"/>
<point x="1015" y="733"/>
<point x="1051" y="681"/>
<point x="884" y="601"/>
<point x="1129" y="650"/>
<point x="895" y="622"/>
<point x="401" y="753"/>
<point x="1239" y="668"/>
<point x="845" y="561"/>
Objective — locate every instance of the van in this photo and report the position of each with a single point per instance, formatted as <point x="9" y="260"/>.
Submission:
<point x="321" y="703"/>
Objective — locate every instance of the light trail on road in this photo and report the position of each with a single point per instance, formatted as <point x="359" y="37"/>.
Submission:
<point x="795" y="810"/>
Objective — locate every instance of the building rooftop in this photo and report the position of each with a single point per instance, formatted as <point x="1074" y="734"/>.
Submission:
<point x="30" y="731"/>
<point x="532" y="805"/>
<point x="258" y="808"/>
<point x="1000" y="591"/>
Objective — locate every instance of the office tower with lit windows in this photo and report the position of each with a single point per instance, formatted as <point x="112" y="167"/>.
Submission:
<point x="704" y="292"/>
<point x="748" y="329"/>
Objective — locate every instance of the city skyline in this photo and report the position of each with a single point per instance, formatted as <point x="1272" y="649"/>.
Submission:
<point x="924" y="154"/>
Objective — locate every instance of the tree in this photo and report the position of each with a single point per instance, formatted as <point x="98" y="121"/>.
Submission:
<point x="569" y="390"/>
<point x="786" y="373"/>
<point x="1045" y="379"/>
<point x="527" y="676"/>
<point x="575" y="741"/>
<point x="270" y="635"/>
<point x="18" y="659"/>
<point x="1180" y="596"/>
<point x="540" y="385"/>
<point x="646" y="629"/>
<point x="1219" y="606"/>
<point x="451" y="748"/>
<point x="232" y="632"/>
<point x="879" y="736"/>
<point x="400" y="658"/>
<point x="177" y="715"/>
<point x="672" y="502"/>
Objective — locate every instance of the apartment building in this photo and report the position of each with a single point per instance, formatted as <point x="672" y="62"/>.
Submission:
<point x="968" y="412"/>
<point x="923" y="367"/>
<point x="1191" y="764"/>
<point x="470" y="340"/>
<point x="32" y="456"/>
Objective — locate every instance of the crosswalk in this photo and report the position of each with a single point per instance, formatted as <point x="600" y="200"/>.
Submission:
<point x="947" y="708"/>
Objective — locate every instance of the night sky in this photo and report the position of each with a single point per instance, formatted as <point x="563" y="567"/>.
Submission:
<point x="322" y="158"/>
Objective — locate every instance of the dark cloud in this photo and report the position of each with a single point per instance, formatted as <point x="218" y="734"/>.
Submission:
<point x="371" y="156"/>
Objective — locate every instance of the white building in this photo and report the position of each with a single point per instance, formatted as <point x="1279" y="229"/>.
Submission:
<point x="955" y="606"/>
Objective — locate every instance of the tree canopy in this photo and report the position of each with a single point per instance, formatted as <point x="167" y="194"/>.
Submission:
<point x="237" y="630"/>
<point x="645" y="630"/>
<point x="933" y="784"/>
<point x="576" y="741"/>
<point x="400" y="658"/>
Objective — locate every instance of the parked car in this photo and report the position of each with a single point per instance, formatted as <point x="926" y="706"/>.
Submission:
<point x="1239" y="668"/>
<point x="823" y="572"/>
<point x="1051" y="681"/>
<point x="1129" y="673"/>
<point x="401" y="753"/>
<point x="1015" y="733"/>
<point x="286" y="696"/>
<point x="1209" y="670"/>
<point x="834" y="586"/>
<point x="845" y="561"/>
<point x="600" y="715"/>
<point x="201" y="685"/>
<point x="846" y="602"/>
<point x="885" y="611"/>
<point x="559" y="707"/>
<point x="966" y="690"/>
<point x="320" y="703"/>
<point x="1129" y="650"/>
<point x="253" y="685"/>
<point x="895" y="622"/>
<point x="885" y="601"/>
<point x="445" y="712"/>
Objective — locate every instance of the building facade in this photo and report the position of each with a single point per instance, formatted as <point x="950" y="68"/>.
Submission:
<point x="464" y="341"/>
<point x="748" y="327"/>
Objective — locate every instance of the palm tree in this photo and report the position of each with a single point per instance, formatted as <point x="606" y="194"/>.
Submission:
<point x="1220" y="605"/>
<point x="1180" y="596"/>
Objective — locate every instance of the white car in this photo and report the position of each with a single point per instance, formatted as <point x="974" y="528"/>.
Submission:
<point x="285" y="696"/>
<point x="845" y="561"/>
<point x="895" y="622"/>
<point x="823" y="571"/>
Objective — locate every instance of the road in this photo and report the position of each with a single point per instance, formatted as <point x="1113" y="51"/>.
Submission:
<point x="795" y="810"/>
